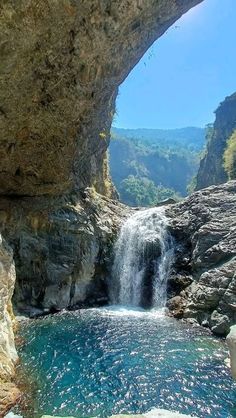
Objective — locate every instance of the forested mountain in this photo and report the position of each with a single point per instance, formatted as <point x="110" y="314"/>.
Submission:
<point x="192" y="137"/>
<point x="149" y="165"/>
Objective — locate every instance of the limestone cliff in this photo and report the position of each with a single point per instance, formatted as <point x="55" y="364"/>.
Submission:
<point x="61" y="64"/>
<point x="62" y="249"/>
<point x="8" y="356"/>
<point x="211" y="170"/>
<point x="204" y="227"/>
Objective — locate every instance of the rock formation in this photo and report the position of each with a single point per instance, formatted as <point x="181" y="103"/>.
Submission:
<point x="8" y="356"/>
<point x="203" y="285"/>
<point x="211" y="170"/>
<point x="62" y="250"/>
<point x="231" y="341"/>
<point x="61" y="65"/>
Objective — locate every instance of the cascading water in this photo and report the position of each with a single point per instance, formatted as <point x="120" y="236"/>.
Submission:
<point x="143" y="256"/>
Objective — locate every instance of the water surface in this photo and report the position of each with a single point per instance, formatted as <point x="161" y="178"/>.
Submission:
<point x="99" y="362"/>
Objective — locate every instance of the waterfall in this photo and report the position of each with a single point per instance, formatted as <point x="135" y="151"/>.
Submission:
<point x="143" y="257"/>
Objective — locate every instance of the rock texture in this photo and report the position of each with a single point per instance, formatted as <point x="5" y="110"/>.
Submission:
<point x="204" y="227"/>
<point x="62" y="249"/>
<point x="61" y="64"/>
<point x="8" y="356"/>
<point x="231" y="341"/>
<point x="211" y="170"/>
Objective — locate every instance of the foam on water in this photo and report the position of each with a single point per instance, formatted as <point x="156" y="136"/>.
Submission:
<point x="130" y="311"/>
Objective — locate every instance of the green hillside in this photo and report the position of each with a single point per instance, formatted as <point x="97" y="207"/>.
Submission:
<point x="149" y="165"/>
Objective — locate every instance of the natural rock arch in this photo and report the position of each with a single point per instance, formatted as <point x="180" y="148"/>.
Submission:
<point x="61" y="64"/>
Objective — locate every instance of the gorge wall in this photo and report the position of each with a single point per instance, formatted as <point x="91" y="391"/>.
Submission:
<point x="203" y="283"/>
<point x="211" y="170"/>
<point x="61" y="64"/>
<point x="62" y="250"/>
<point x="8" y="356"/>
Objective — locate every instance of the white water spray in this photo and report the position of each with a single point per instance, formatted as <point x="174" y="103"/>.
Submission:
<point x="144" y="249"/>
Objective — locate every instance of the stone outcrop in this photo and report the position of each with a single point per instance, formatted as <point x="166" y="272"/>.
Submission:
<point x="211" y="170"/>
<point x="231" y="341"/>
<point x="61" y="64"/>
<point x="204" y="227"/>
<point x="62" y="249"/>
<point x="8" y="392"/>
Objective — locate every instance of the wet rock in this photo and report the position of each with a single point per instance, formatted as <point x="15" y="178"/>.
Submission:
<point x="177" y="283"/>
<point x="65" y="260"/>
<point x="231" y="341"/>
<point x="220" y="324"/>
<point x="176" y="306"/>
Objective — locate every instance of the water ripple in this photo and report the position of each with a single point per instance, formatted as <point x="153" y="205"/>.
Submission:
<point x="100" y="362"/>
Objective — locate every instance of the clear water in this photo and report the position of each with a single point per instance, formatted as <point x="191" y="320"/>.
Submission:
<point x="99" y="362"/>
<point x="144" y="247"/>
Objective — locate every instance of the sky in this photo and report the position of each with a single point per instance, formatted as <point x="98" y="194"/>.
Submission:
<point x="185" y="74"/>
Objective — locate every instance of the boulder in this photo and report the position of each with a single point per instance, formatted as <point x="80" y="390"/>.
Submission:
<point x="231" y="341"/>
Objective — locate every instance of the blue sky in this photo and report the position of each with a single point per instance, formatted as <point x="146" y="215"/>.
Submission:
<point x="185" y="74"/>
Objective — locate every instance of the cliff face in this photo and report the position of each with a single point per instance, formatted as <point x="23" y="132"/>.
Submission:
<point x="211" y="170"/>
<point x="8" y="356"/>
<point x="62" y="250"/>
<point x="61" y="65"/>
<point x="204" y="226"/>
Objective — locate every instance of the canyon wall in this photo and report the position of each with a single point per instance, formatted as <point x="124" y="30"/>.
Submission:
<point x="211" y="170"/>
<point x="8" y="356"/>
<point x="61" y="64"/>
<point x="62" y="250"/>
<point x="203" y="283"/>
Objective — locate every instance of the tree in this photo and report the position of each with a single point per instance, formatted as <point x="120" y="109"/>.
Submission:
<point x="230" y="157"/>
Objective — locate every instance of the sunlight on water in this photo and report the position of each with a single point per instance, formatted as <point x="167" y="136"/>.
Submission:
<point x="99" y="362"/>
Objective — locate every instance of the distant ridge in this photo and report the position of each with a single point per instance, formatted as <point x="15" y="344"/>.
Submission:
<point x="150" y="165"/>
<point x="186" y="136"/>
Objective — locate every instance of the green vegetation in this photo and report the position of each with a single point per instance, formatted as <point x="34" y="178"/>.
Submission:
<point x="230" y="157"/>
<point x="140" y="191"/>
<point x="155" y="164"/>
